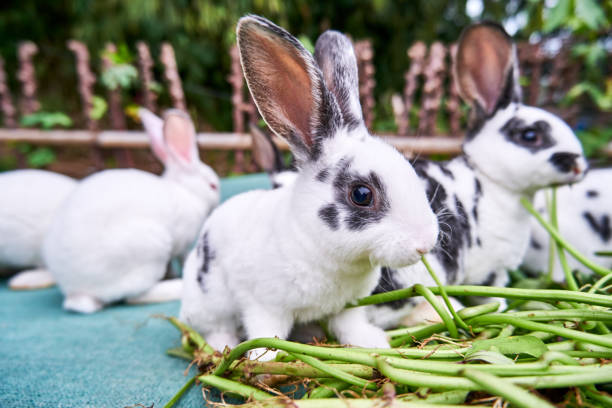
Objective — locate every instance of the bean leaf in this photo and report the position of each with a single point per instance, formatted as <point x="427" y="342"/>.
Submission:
<point x="513" y="345"/>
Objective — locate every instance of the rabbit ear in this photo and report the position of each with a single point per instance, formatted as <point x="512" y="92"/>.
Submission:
<point x="180" y="136"/>
<point x="154" y="126"/>
<point x="486" y="68"/>
<point x="335" y="56"/>
<point x="265" y="153"/>
<point x="287" y="86"/>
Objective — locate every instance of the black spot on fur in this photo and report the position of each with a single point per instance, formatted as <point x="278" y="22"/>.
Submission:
<point x="207" y="255"/>
<point x="451" y="225"/>
<point x="601" y="226"/>
<point x="564" y="161"/>
<point x="592" y="193"/>
<point x="477" y="195"/>
<point x="357" y="218"/>
<point x="446" y="171"/>
<point x="323" y="175"/>
<point x="462" y="221"/>
<point x="387" y="283"/>
<point x="489" y="280"/>
<point x="329" y="214"/>
<point x="535" y="244"/>
<point x="514" y="129"/>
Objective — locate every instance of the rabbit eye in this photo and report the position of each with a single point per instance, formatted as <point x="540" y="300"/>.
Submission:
<point x="530" y="136"/>
<point x="362" y="195"/>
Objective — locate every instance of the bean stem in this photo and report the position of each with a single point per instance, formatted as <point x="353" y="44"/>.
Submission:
<point x="510" y="392"/>
<point x="234" y="387"/>
<point x="535" y="326"/>
<point x="180" y="393"/>
<point x="546" y="295"/>
<point x="433" y="301"/>
<point x="450" y="307"/>
<point x="335" y="372"/>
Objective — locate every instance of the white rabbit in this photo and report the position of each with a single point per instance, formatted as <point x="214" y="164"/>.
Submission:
<point x="510" y="150"/>
<point x="270" y="258"/>
<point x="584" y="213"/>
<point x="28" y="203"/>
<point x="114" y="236"/>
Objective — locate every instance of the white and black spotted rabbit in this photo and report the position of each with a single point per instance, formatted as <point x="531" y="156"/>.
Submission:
<point x="114" y="236"/>
<point x="584" y="212"/>
<point x="511" y="150"/>
<point x="268" y="259"/>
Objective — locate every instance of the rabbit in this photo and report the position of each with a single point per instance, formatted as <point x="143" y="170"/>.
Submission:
<point x="267" y="259"/>
<point x="510" y="151"/>
<point x="584" y="213"/>
<point x="113" y="237"/>
<point x="29" y="200"/>
<point x="269" y="158"/>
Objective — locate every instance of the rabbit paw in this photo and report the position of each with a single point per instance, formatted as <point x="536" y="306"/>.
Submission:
<point x="32" y="279"/>
<point x="82" y="304"/>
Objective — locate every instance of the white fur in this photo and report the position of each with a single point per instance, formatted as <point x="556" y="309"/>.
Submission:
<point x="272" y="261"/>
<point x="114" y="236"/>
<point x="28" y="203"/>
<point x="572" y="204"/>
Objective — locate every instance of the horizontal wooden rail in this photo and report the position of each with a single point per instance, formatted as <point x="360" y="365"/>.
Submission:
<point x="213" y="141"/>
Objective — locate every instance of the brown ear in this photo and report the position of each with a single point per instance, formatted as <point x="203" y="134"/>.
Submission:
<point x="286" y="85"/>
<point x="180" y="135"/>
<point x="265" y="154"/>
<point x="486" y="68"/>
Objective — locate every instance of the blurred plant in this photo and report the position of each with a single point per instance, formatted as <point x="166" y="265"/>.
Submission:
<point x="588" y="22"/>
<point x="37" y="157"/>
<point x="121" y="73"/>
<point x="99" y="107"/>
<point x="46" y="120"/>
<point x="593" y="140"/>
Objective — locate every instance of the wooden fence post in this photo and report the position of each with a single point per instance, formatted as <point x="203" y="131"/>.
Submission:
<point x="27" y="76"/>
<point x="172" y="76"/>
<point x="86" y="80"/>
<point x="432" y="88"/>
<point x="145" y="63"/>
<point x="453" y="103"/>
<point x="417" y="54"/>
<point x="367" y="83"/>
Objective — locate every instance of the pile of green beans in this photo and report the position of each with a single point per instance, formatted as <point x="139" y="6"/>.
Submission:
<point x="476" y="354"/>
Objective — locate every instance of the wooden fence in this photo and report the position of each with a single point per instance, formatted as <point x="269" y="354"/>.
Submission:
<point x="429" y="97"/>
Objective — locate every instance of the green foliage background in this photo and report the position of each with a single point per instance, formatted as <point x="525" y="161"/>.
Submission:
<point x="201" y="32"/>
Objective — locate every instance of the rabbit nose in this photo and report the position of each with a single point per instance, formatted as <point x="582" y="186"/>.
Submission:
<point x="565" y="162"/>
<point x="422" y="251"/>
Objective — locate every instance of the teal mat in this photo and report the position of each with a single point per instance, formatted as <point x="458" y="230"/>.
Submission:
<point x="115" y="358"/>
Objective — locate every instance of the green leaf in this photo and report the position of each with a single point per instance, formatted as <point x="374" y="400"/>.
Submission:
<point x="40" y="157"/>
<point x="489" y="356"/>
<point x="99" y="107"/>
<point x="513" y="345"/>
<point x="590" y="13"/>
<point x="558" y="16"/>
<point x="123" y="75"/>
<point x="46" y="120"/>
